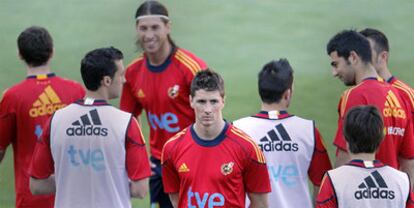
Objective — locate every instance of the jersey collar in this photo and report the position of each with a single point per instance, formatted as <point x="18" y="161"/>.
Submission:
<point x="391" y="79"/>
<point x="41" y="76"/>
<point x="272" y="115"/>
<point x="163" y="66"/>
<point x="91" y="102"/>
<point x="209" y="143"/>
<point x="366" y="164"/>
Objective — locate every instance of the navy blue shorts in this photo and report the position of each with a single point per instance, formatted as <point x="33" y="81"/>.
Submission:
<point x="158" y="197"/>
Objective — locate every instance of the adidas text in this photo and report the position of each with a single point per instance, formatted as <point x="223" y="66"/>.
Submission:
<point x="374" y="193"/>
<point x="47" y="109"/>
<point x="87" y="131"/>
<point x="279" y="146"/>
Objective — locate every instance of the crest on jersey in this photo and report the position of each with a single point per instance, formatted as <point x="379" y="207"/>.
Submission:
<point x="173" y="91"/>
<point x="140" y="94"/>
<point x="227" y="168"/>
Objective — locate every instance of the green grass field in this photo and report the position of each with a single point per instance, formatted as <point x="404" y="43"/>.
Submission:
<point x="236" y="38"/>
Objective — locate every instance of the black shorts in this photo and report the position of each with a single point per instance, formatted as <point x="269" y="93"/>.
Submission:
<point x="158" y="197"/>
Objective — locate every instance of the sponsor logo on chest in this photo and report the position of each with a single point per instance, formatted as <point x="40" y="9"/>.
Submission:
<point x="278" y="140"/>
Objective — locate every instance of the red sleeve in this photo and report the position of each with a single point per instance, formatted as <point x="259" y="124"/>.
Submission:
<point x="407" y="145"/>
<point x="320" y="162"/>
<point x="42" y="165"/>
<point x="7" y="122"/>
<point x="326" y="197"/>
<point x="410" y="200"/>
<point x="170" y="178"/>
<point x="347" y="101"/>
<point x="128" y="101"/>
<point x="255" y="174"/>
<point x="137" y="163"/>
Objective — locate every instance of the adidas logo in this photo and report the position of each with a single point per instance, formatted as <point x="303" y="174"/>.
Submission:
<point x="183" y="168"/>
<point x="274" y="142"/>
<point x="84" y="127"/>
<point x="374" y="187"/>
<point x="393" y="107"/>
<point x="46" y="104"/>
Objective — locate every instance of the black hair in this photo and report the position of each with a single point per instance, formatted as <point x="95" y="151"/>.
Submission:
<point x="274" y="79"/>
<point x="207" y="80"/>
<point x="156" y="8"/>
<point x="349" y="40"/>
<point x="379" y="38"/>
<point x="363" y="129"/>
<point x="35" y="46"/>
<point x="99" y="63"/>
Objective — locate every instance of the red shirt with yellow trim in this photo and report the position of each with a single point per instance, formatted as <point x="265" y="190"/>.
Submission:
<point x="215" y="173"/>
<point x="406" y="93"/>
<point x="163" y="92"/>
<point x="24" y="109"/>
<point x="399" y="139"/>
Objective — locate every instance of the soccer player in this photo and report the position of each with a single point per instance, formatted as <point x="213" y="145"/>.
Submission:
<point x="158" y="81"/>
<point x="364" y="181"/>
<point x="211" y="163"/>
<point x="26" y="106"/>
<point x="351" y="57"/>
<point x="93" y="148"/>
<point x="292" y="145"/>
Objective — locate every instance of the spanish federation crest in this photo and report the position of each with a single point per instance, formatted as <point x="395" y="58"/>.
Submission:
<point x="173" y="91"/>
<point x="227" y="168"/>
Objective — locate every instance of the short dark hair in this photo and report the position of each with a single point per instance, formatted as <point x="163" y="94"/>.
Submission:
<point x="379" y="38"/>
<point x="274" y="79"/>
<point x="99" y="63"/>
<point x="349" y="40"/>
<point x="156" y="8"/>
<point x="363" y="129"/>
<point x="207" y="80"/>
<point x="35" y="45"/>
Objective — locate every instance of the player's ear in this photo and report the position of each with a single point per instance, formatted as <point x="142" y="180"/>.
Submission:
<point x="353" y="57"/>
<point x="384" y="57"/>
<point x="191" y="101"/>
<point x="168" y="26"/>
<point x="106" y="81"/>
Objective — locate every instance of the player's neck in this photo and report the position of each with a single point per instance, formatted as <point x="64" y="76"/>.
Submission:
<point x="43" y="69"/>
<point x="209" y="132"/>
<point x="366" y="71"/>
<point x="97" y="95"/>
<point x="160" y="56"/>
<point x="385" y="73"/>
<point x="362" y="156"/>
<point x="281" y="106"/>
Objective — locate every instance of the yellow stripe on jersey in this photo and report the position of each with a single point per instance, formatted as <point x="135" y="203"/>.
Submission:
<point x="188" y="61"/>
<point x="52" y="94"/>
<point x="407" y="89"/>
<point x="176" y="136"/>
<point x="44" y="99"/>
<point x="344" y="100"/>
<point x="259" y="153"/>
<point x="394" y="99"/>
<point x="142" y="136"/>
<point x="141" y="56"/>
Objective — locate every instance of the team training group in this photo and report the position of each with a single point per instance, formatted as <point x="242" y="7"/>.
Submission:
<point x="72" y="149"/>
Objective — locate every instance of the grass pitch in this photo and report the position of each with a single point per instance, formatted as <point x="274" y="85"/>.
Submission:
<point x="236" y="38"/>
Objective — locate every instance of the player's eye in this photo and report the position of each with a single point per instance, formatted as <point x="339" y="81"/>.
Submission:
<point x="201" y="101"/>
<point x="155" y="27"/>
<point x="213" y="102"/>
<point x="334" y="64"/>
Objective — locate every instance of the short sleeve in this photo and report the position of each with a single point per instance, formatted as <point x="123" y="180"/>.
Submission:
<point x="42" y="165"/>
<point x="170" y="178"/>
<point x="137" y="162"/>
<point x="7" y="121"/>
<point x="326" y="197"/>
<point x="255" y="174"/>
<point x="320" y="162"/>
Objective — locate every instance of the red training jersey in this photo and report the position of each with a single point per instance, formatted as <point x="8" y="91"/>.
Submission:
<point x="399" y="139"/>
<point x="406" y="93"/>
<point x="163" y="92"/>
<point x="24" y="109"/>
<point x="213" y="173"/>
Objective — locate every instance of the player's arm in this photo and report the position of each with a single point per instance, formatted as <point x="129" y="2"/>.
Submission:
<point x="326" y="197"/>
<point x="174" y="199"/>
<point x="7" y="124"/>
<point x="320" y="163"/>
<point x="42" y="166"/>
<point x="258" y="200"/>
<point x="407" y="165"/>
<point x="137" y="163"/>
<point x="43" y="186"/>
